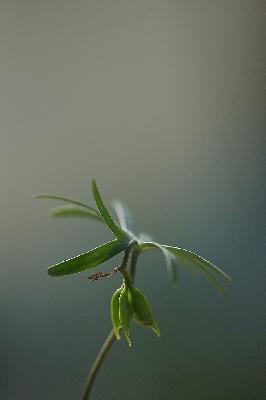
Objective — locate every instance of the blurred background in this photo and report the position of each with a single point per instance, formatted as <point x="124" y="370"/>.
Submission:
<point x="161" y="101"/>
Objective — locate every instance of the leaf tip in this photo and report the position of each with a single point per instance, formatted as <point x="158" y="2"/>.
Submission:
<point x="94" y="185"/>
<point x="49" y="272"/>
<point x="52" y="271"/>
<point x="52" y="213"/>
<point x="156" y="330"/>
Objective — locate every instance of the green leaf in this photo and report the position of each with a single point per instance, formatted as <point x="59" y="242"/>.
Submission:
<point x="205" y="266"/>
<point x="67" y="210"/>
<point x="88" y="260"/>
<point x="118" y="232"/>
<point x="195" y="258"/>
<point x="115" y="311"/>
<point x="125" y="313"/>
<point x="65" y="199"/>
<point x="141" y="310"/>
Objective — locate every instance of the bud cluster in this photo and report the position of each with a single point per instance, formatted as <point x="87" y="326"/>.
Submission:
<point x="127" y="304"/>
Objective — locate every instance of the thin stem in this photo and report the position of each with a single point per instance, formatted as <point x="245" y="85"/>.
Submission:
<point x="133" y="264"/>
<point x="106" y="347"/>
<point x="127" y="254"/>
<point x="97" y="363"/>
<point x="126" y="276"/>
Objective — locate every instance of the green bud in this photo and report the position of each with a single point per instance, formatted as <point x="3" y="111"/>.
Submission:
<point x="115" y="311"/>
<point x="142" y="311"/>
<point x="125" y="313"/>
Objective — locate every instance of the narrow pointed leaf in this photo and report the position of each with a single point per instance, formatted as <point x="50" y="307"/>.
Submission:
<point x="88" y="260"/>
<point x="118" y="232"/>
<point x="65" y="199"/>
<point x="68" y="210"/>
<point x="195" y="258"/>
<point x="205" y="267"/>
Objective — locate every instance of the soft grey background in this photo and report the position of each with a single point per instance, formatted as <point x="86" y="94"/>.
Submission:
<point x="161" y="102"/>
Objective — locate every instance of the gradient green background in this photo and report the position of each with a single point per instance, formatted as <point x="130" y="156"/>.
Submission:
<point x="161" y="102"/>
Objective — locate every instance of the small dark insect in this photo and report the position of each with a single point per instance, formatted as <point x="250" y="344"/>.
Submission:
<point x="99" y="275"/>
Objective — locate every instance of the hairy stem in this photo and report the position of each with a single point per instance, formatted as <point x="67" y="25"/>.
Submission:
<point x="106" y="347"/>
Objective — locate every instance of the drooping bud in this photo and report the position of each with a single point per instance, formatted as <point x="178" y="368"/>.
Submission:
<point x="115" y="311"/>
<point x="125" y="313"/>
<point x="141" y="310"/>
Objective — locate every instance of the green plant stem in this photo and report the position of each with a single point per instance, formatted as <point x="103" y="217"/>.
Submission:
<point x="107" y="345"/>
<point x="97" y="363"/>
<point x="133" y="264"/>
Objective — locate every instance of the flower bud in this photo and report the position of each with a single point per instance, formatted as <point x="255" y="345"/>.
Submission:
<point x="115" y="311"/>
<point x="125" y="313"/>
<point x="141" y="310"/>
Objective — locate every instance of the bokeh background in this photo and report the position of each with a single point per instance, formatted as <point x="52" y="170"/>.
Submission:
<point x="160" y="101"/>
